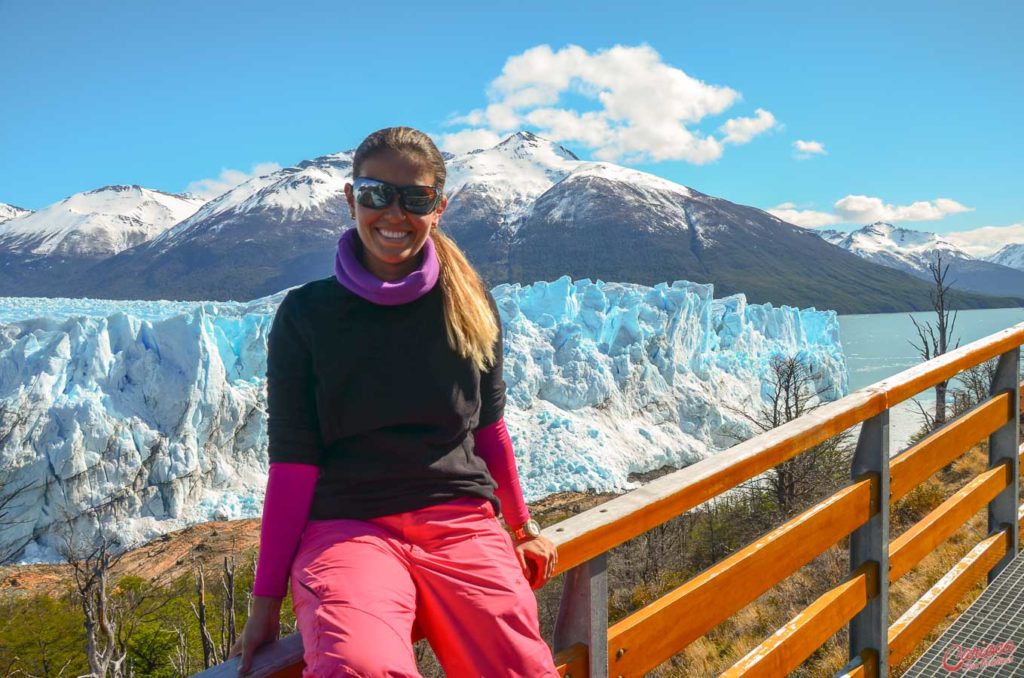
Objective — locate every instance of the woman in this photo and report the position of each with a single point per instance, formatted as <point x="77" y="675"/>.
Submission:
<point x="388" y="451"/>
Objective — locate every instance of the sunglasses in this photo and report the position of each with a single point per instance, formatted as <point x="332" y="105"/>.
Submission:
<point x="379" y="194"/>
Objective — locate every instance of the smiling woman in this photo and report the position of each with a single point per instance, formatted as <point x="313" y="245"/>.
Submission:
<point x="392" y="233"/>
<point x="389" y="455"/>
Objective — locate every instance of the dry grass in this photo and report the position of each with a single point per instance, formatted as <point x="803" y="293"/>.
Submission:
<point x="734" y="638"/>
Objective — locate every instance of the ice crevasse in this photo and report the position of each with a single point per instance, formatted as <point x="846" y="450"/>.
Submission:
<point x="157" y="410"/>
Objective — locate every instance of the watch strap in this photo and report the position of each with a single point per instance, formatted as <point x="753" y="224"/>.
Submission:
<point x="528" y="530"/>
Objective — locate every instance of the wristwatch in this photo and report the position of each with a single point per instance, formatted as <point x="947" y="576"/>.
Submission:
<point x="528" y="530"/>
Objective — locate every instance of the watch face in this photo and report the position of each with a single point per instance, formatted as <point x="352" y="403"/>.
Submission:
<point x="532" y="528"/>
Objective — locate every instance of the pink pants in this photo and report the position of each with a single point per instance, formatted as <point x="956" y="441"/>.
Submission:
<point x="359" y="586"/>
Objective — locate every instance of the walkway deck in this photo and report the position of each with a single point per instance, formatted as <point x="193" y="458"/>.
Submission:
<point x="987" y="640"/>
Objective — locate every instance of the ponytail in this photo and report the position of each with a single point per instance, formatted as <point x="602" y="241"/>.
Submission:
<point x="472" y="326"/>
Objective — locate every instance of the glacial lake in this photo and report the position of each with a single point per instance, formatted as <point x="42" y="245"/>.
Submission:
<point x="877" y="346"/>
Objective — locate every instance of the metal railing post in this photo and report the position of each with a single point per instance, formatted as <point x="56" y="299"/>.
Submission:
<point x="583" y="613"/>
<point x="1002" y="446"/>
<point x="869" y="630"/>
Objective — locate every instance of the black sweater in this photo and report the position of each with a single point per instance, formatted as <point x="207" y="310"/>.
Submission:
<point x="375" y="396"/>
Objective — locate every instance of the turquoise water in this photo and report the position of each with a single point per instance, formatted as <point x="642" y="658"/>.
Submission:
<point x="877" y="345"/>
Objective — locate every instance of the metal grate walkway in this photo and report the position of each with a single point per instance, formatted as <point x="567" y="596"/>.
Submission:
<point x="987" y="640"/>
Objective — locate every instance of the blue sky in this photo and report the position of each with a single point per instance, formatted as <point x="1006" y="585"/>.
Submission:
<point x="916" y="104"/>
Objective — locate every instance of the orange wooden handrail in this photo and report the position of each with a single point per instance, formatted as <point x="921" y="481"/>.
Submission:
<point x="600" y="529"/>
<point x="912" y="546"/>
<point x="648" y="637"/>
<point x="919" y="462"/>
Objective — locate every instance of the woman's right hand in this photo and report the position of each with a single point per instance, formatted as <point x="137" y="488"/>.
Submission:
<point x="262" y="627"/>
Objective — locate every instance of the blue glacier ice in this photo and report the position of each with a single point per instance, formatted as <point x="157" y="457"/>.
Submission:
<point x="157" y="410"/>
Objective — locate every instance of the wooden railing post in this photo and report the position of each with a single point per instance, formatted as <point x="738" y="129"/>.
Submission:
<point x="583" y="613"/>
<point x="870" y="628"/>
<point x="1003" y="446"/>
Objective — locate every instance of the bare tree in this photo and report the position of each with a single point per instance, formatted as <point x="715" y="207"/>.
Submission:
<point x="182" y="659"/>
<point x="792" y="393"/>
<point x="228" y="626"/>
<point x="91" y="560"/>
<point x="936" y="340"/>
<point x="975" y="383"/>
<point x="199" y="609"/>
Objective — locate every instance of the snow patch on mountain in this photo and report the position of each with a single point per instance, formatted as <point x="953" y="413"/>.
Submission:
<point x="830" y="235"/>
<point x="157" y="410"/>
<point x="98" y="223"/>
<point x="510" y="176"/>
<point x="8" y="212"/>
<point x="1011" y="255"/>
<point x="651" y="185"/>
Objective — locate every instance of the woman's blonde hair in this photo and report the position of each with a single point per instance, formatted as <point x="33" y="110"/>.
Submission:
<point x="471" y="324"/>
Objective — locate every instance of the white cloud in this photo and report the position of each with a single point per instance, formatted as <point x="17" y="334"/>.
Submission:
<point x="986" y="240"/>
<point x="642" y="108"/>
<point x="787" y="211"/>
<point x="862" y="209"/>
<point x="228" y="179"/>
<point x="743" y="130"/>
<point x="807" y="149"/>
<point x="467" y="140"/>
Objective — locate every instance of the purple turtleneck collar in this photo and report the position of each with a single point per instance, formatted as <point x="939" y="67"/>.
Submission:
<point x="354" y="276"/>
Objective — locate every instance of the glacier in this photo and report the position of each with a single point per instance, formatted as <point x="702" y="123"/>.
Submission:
<point x="156" y="411"/>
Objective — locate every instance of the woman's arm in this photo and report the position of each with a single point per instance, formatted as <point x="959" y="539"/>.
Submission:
<point x="491" y="439"/>
<point x="494" y="446"/>
<point x="294" y="451"/>
<point x="537" y="556"/>
<point x="294" y="448"/>
<point x="285" y="510"/>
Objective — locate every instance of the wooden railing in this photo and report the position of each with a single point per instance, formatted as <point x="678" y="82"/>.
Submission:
<point x="586" y="647"/>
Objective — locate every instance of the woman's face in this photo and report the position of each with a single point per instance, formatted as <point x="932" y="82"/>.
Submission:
<point x="392" y="238"/>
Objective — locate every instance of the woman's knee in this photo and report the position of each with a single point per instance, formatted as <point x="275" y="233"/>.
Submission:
<point x="345" y="642"/>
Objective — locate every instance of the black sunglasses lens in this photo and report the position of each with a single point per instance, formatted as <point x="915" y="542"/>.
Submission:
<point x="375" y="196"/>
<point x="419" y="199"/>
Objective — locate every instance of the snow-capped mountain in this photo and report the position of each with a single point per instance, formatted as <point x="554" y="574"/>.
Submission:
<point x="8" y="212"/>
<point x="157" y="410"/>
<point x="490" y="190"/>
<point x="914" y="251"/>
<point x="606" y="221"/>
<point x="271" y="232"/>
<point x="1011" y="255"/>
<point x="293" y="193"/>
<point x="506" y="179"/>
<point x="524" y="210"/>
<point x="46" y="252"/>
<point x="97" y="223"/>
<point x="901" y="248"/>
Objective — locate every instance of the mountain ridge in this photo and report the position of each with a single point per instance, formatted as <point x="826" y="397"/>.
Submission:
<point x="511" y="209"/>
<point x="914" y="251"/>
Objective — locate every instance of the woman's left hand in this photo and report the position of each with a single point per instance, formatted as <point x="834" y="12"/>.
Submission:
<point x="537" y="557"/>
